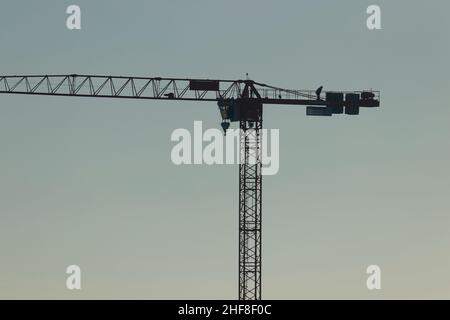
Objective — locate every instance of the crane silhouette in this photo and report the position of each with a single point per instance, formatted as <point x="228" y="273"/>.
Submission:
<point x="239" y="101"/>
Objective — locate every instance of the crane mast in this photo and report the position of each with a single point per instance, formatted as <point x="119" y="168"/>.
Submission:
<point x="238" y="101"/>
<point x="250" y="195"/>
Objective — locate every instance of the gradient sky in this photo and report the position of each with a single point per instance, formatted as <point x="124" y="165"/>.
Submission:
<point x="90" y="181"/>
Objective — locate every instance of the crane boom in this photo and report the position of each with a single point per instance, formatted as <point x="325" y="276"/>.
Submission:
<point x="239" y="101"/>
<point x="154" y="88"/>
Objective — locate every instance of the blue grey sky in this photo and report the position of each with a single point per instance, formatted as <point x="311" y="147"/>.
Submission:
<point x="90" y="181"/>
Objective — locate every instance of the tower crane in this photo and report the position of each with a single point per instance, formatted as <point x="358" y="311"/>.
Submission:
<point x="239" y="101"/>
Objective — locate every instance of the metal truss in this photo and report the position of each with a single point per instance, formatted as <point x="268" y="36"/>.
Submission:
<point x="250" y="206"/>
<point x="150" y="88"/>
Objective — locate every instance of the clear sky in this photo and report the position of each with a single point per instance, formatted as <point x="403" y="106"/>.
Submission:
<point x="90" y="181"/>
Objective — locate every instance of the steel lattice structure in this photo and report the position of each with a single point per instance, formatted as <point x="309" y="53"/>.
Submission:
<point x="151" y="88"/>
<point x="239" y="101"/>
<point x="250" y="211"/>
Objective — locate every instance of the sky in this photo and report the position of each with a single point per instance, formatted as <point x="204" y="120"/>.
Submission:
<point x="90" y="181"/>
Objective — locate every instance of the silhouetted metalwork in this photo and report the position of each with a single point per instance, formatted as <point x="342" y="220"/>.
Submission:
<point x="250" y="193"/>
<point x="160" y="88"/>
<point x="239" y="101"/>
<point x="250" y="210"/>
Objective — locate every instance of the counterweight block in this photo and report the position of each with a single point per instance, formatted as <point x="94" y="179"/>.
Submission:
<point x="335" y="101"/>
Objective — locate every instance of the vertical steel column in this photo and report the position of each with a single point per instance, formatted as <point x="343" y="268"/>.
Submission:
<point x="250" y="200"/>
